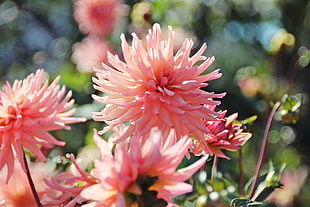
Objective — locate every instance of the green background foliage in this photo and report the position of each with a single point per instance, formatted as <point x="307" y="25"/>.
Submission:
<point x="261" y="46"/>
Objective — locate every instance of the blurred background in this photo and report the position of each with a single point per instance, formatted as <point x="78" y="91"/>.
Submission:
<point x="261" y="46"/>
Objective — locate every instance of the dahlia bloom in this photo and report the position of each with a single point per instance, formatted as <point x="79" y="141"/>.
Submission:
<point x="28" y="110"/>
<point x="142" y="168"/>
<point x="97" y="17"/>
<point x="17" y="191"/>
<point x="90" y="53"/>
<point x="159" y="157"/>
<point x="154" y="87"/>
<point x="115" y="174"/>
<point x="224" y="134"/>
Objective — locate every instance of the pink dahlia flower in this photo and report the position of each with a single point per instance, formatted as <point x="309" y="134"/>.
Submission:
<point x="155" y="87"/>
<point x="115" y="174"/>
<point x="159" y="157"/>
<point x="224" y="134"/>
<point x="97" y="17"/>
<point x="28" y="110"/>
<point x="145" y="167"/>
<point x="90" y="53"/>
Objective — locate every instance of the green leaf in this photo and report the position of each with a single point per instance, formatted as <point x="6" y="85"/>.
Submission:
<point x="189" y="203"/>
<point x="74" y="79"/>
<point x="290" y="107"/>
<point x="243" y="202"/>
<point x="201" y="201"/>
<point x="86" y="110"/>
<point x="291" y="102"/>
<point x="268" y="181"/>
<point x="249" y="120"/>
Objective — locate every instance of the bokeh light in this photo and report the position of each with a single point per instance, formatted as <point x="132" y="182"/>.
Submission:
<point x="261" y="46"/>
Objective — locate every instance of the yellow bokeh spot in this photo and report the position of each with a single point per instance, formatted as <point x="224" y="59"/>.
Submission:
<point x="289" y="40"/>
<point x="139" y="11"/>
<point x="282" y="37"/>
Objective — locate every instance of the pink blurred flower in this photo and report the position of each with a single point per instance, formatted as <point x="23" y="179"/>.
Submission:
<point x="154" y="87"/>
<point x="250" y="86"/>
<point x="126" y="174"/>
<point x="28" y="110"/>
<point x="224" y="134"/>
<point x="293" y="182"/>
<point x="90" y="53"/>
<point x="97" y="17"/>
<point x="17" y="191"/>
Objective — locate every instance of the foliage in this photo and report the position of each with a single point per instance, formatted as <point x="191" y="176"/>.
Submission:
<point x="261" y="47"/>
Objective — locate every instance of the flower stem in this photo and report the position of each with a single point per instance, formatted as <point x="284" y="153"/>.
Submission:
<point x="34" y="192"/>
<point x="263" y="149"/>
<point x="214" y="167"/>
<point x="241" y="185"/>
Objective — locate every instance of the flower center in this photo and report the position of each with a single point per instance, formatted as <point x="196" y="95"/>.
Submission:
<point x="146" y="197"/>
<point x="11" y="115"/>
<point x="163" y="85"/>
<point x="100" y="11"/>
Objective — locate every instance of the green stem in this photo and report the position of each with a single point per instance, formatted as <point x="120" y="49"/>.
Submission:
<point x="241" y="185"/>
<point x="33" y="190"/>
<point x="263" y="149"/>
<point x="214" y="167"/>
